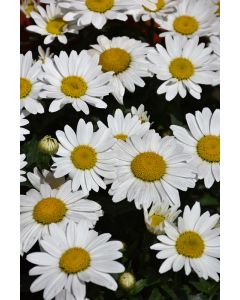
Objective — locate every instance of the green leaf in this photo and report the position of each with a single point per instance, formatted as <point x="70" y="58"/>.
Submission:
<point x="208" y="200"/>
<point x="169" y="291"/>
<point x="155" y="295"/>
<point x="139" y="286"/>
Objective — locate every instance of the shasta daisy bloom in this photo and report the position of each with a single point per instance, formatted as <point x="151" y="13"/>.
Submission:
<point x="50" y="23"/>
<point x="194" y="244"/>
<point x="150" y="170"/>
<point x="65" y="295"/>
<point x="86" y="12"/>
<point x="141" y="113"/>
<point x="192" y="18"/>
<point x="75" y="79"/>
<point x="183" y="66"/>
<point x="72" y="258"/>
<point x="30" y="84"/>
<point x="85" y="156"/>
<point x="124" y="127"/>
<point x="23" y="163"/>
<point x="23" y="122"/>
<point x="44" y="55"/>
<point x="161" y="10"/>
<point x="27" y="6"/>
<point x="40" y="210"/>
<point x="202" y="141"/>
<point x="127" y="59"/>
<point x="160" y="214"/>
<point x="37" y="178"/>
<point x="215" y="45"/>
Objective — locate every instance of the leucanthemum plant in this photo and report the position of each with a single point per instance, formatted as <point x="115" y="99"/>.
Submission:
<point x="158" y="215"/>
<point x="161" y="10"/>
<point x="76" y="79"/>
<point x="44" y="55"/>
<point x="50" y="23"/>
<point x="30" y="84"/>
<point x="23" y="163"/>
<point x="193" y="245"/>
<point x="192" y="18"/>
<point x="85" y="156"/>
<point x="23" y="122"/>
<point x="37" y="178"/>
<point x="73" y="257"/>
<point x="95" y="12"/>
<point x="202" y="142"/>
<point x="40" y="210"/>
<point x="126" y="58"/>
<point x="150" y="170"/>
<point x="183" y="66"/>
<point x="27" y="6"/>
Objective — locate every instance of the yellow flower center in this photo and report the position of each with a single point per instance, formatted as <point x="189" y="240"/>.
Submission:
<point x="156" y="220"/>
<point x="74" y="86"/>
<point x="190" y="244"/>
<point x="84" y="157"/>
<point x="159" y="5"/>
<point x="55" y="26"/>
<point x="181" y="68"/>
<point x="217" y="12"/>
<point x="121" y="136"/>
<point x="25" y="87"/>
<point x="208" y="148"/>
<point x="115" y="59"/>
<point x="49" y="210"/>
<point x="148" y="166"/>
<point x="100" y="6"/>
<point x="74" y="260"/>
<point x="185" y="25"/>
<point x="29" y="8"/>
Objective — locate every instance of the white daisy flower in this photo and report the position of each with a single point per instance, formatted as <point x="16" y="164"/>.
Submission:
<point x="95" y="12"/>
<point x="183" y="66"/>
<point x="127" y="59"/>
<point x="215" y="45"/>
<point x="75" y="79"/>
<point x="30" y="85"/>
<point x="23" y="122"/>
<point x="194" y="244"/>
<point x="50" y="23"/>
<point x="27" y="6"/>
<point x="72" y="258"/>
<point x="40" y="210"/>
<point x="161" y="10"/>
<point x="37" y="178"/>
<point x="158" y="215"/>
<point x="151" y="170"/>
<point x="141" y="113"/>
<point x="124" y="127"/>
<point x="23" y="163"/>
<point x="44" y="55"/>
<point x="203" y="143"/>
<point x="84" y="156"/>
<point x="192" y="18"/>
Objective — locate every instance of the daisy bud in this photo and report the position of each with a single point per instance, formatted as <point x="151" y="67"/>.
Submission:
<point x="127" y="281"/>
<point x="48" y="145"/>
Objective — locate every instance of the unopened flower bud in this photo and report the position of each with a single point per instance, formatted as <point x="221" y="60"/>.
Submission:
<point x="48" y="145"/>
<point x="127" y="281"/>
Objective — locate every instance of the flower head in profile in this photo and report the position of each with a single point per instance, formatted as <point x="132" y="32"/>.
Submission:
<point x="160" y="214"/>
<point x="141" y="113"/>
<point x="73" y="257"/>
<point x="50" y="23"/>
<point x="27" y="6"/>
<point x="193" y="245"/>
<point x="202" y="142"/>
<point x="23" y="122"/>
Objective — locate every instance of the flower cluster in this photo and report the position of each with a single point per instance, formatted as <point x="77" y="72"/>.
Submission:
<point x="123" y="153"/>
